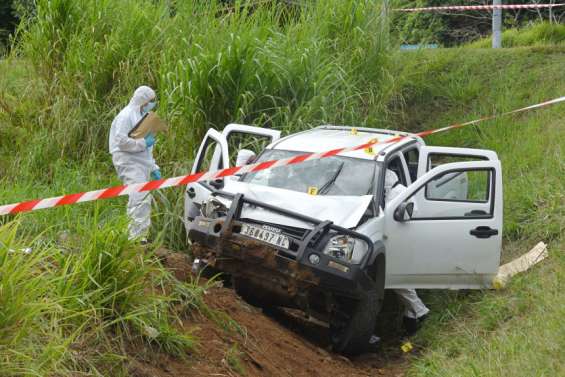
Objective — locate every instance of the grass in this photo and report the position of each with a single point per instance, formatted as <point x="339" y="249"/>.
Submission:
<point x="233" y="358"/>
<point x="77" y="291"/>
<point x="538" y="34"/>
<point x="85" y="292"/>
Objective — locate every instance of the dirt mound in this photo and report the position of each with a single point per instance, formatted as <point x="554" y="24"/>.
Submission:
<point x="277" y="343"/>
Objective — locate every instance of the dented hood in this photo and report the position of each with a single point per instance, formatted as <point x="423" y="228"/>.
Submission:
<point x="345" y="211"/>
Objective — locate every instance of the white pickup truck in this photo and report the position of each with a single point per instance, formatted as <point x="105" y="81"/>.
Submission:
<point x="318" y="236"/>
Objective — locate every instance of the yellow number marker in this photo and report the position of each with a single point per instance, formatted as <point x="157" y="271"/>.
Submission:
<point x="312" y="190"/>
<point x="407" y="347"/>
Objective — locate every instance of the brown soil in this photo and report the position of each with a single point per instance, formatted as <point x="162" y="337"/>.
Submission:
<point x="278" y="343"/>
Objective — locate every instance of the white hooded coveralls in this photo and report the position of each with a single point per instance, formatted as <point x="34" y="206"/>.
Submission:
<point x="413" y="306"/>
<point x="133" y="160"/>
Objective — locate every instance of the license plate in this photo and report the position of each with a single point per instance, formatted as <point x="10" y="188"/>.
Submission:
<point x="265" y="235"/>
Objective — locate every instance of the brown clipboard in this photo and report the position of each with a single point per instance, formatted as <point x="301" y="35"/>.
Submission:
<point x="150" y="122"/>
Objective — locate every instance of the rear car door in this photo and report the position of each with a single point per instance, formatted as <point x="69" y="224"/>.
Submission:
<point x="439" y="240"/>
<point x="218" y="151"/>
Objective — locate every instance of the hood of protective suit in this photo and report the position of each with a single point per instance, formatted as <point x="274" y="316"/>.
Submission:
<point x="345" y="211"/>
<point x="142" y="95"/>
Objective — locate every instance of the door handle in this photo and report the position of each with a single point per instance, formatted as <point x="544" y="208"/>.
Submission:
<point x="476" y="212"/>
<point x="483" y="232"/>
<point x="191" y="192"/>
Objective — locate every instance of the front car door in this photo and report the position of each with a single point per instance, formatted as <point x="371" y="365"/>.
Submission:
<point x="438" y="240"/>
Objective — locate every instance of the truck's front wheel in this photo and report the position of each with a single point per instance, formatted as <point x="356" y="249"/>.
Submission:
<point x="351" y="329"/>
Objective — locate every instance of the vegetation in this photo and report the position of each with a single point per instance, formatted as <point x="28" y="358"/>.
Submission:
<point x="73" y="305"/>
<point x="542" y="33"/>
<point x="85" y="294"/>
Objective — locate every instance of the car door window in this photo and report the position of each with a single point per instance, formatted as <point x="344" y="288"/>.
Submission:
<point x="459" y="194"/>
<point x="211" y="152"/>
<point x="437" y="159"/>
<point x="395" y="164"/>
<point x="244" y="140"/>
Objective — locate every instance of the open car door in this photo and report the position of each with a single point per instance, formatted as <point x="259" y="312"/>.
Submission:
<point x="437" y="239"/>
<point x="218" y="151"/>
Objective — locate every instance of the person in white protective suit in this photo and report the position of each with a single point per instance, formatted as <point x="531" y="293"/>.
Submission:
<point x="133" y="159"/>
<point x="414" y="309"/>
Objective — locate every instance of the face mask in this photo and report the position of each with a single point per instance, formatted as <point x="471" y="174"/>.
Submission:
<point x="148" y="107"/>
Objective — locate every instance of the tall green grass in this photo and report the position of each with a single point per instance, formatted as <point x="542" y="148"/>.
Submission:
<point x="272" y="65"/>
<point x="93" y="291"/>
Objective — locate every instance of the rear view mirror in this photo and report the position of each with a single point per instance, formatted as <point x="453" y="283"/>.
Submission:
<point x="404" y="211"/>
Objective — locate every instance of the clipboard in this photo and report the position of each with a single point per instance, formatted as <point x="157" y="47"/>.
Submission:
<point x="150" y="122"/>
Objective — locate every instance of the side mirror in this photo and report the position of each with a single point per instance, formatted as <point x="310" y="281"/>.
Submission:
<point x="404" y="211"/>
<point x="218" y="184"/>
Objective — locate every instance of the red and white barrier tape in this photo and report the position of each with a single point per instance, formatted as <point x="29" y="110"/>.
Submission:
<point x="112" y="192"/>
<point x="479" y="7"/>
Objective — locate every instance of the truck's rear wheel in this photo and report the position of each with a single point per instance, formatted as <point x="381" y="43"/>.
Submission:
<point x="351" y="329"/>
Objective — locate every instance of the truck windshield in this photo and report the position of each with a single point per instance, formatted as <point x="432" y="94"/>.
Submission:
<point x="327" y="176"/>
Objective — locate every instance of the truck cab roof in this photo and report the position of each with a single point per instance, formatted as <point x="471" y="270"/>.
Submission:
<point x="329" y="137"/>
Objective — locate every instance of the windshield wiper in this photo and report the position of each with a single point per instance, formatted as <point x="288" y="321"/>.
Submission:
<point x="332" y="180"/>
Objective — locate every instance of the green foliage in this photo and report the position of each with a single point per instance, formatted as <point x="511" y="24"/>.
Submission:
<point x="252" y="65"/>
<point x="543" y="33"/>
<point x="91" y="287"/>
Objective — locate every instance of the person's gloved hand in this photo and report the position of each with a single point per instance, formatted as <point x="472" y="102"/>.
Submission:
<point x="149" y="140"/>
<point x="156" y="174"/>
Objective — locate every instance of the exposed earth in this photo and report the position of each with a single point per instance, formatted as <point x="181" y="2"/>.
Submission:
<point x="277" y="343"/>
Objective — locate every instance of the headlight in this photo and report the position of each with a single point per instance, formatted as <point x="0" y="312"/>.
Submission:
<point x="346" y="248"/>
<point x="213" y="208"/>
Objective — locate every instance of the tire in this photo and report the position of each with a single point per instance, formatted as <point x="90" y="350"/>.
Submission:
<point x="245" y="290"/>
<point x="350" y="335"/>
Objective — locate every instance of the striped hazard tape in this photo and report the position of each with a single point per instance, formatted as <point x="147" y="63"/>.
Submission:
<point x="113" y="192"/>
<point x="479" y="7"/>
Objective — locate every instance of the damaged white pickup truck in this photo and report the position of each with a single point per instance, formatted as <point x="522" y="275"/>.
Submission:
<point x="318" y="236"/>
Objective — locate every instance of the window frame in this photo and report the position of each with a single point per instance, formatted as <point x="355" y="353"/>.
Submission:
<point x="471" y="156"/>
<point x="460" y="200"/>
<point x="491" y="193"/>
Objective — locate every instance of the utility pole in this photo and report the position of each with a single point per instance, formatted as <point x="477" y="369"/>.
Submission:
<point x="496" y="25"/>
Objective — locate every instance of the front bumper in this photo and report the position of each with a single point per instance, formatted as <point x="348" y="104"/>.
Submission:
<point x="285" y="276"/>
